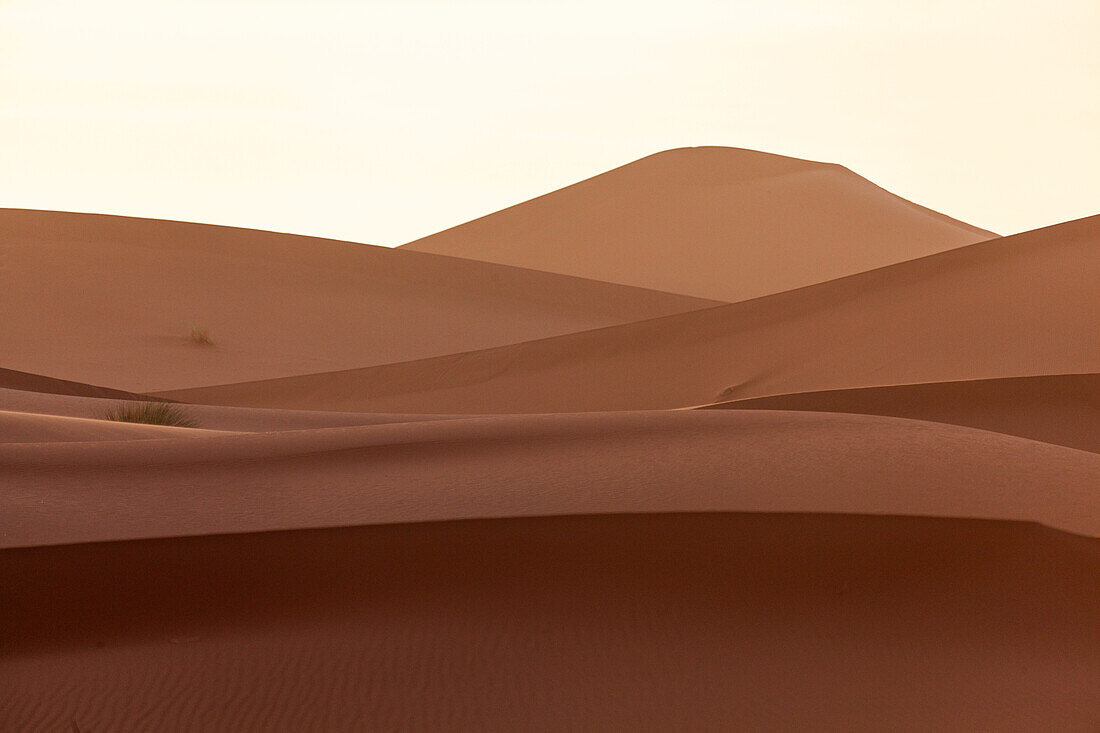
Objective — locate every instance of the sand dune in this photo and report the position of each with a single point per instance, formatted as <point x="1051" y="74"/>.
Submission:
<point x="1062" y="409"/>
<point x="731" y="568"/>
<point x="111" y="300"/>
<point x="886" y="519"/>
<point x="1018" y="306"/>
<point x="663" y="461"/>
<point x="660" y="622"/>
<point x="720" y="223"/>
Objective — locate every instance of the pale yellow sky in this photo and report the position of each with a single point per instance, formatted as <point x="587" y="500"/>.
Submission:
<point x="385" y="121"/>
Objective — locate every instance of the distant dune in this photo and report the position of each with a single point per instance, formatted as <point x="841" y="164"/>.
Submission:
<point x="111" y="300"/>
<point x="720" y="223"/>
<point x="1015" y="306"/>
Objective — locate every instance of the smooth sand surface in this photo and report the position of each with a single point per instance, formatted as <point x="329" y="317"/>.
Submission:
<point x="644" y="623"/>
<point x="526" y="465"/>
<point x="721" y="223"/>
<point x="1062" y="409"/>
<point x="111" y="300"/>
<point x="430" y="493"/>
<point x="1024" y="305"/>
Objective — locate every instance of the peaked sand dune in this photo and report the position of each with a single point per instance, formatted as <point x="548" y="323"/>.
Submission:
<point x="1062" y="409"/>
<point x="111" y="300"/>
<point x="1024" y="305"/>
<point x="721" y="223"/>
<point x="642" y="623"/>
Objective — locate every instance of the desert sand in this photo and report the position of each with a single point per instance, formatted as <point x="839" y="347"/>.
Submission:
<point x="720" y="223"/>
<point x="112" y="300"/>
<point x="1059" y="408"/>
<point x="1016" y="306"/>
<point x="718" y="440"/>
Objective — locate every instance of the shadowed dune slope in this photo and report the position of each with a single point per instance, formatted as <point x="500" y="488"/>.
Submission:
<point x="112" y="300"/>
<point x="1024" y="305"/>
<point x="1062" y="408"/>
<point x="11" y="379"/>
<point x="538" y="465"/>
<point x="721" y="223"/>
<point x="642" y="623"/>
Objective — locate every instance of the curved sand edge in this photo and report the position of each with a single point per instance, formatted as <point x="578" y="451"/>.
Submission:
<point x="536" y="465"/>
<point x="1063" y="409"/>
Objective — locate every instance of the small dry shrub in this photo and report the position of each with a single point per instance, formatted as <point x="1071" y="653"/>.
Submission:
<point x="150" y="413"/>
<point x="201" y="336"/>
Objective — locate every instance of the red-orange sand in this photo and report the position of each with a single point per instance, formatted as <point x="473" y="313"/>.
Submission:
<point x="457" y="486"/>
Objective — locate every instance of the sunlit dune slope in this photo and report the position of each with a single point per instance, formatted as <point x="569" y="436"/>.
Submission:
<point x="112" y="300"/>
<point x="528" y="465"/>
<point x="721" y="223"/>
<point x="1024" y="305"/>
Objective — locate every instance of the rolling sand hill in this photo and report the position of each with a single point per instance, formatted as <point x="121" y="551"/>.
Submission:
<point x="112" y="300"/>
<point x="1024" y="305"/>
<point x="524" y="465"/>
<point x="721" y="223"/>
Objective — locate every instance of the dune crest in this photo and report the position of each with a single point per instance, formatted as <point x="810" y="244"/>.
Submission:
<point x="721" y="223"/>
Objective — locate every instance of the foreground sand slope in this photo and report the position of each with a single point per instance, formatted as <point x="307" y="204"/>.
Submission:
<point x="722" y="569"/>
<point x="111" y="300"/>
<point x="1024" y="305"/>
<point x="1062" y="409"/>
<point x="642" y="623"/>
<point x="721" y="223"/>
